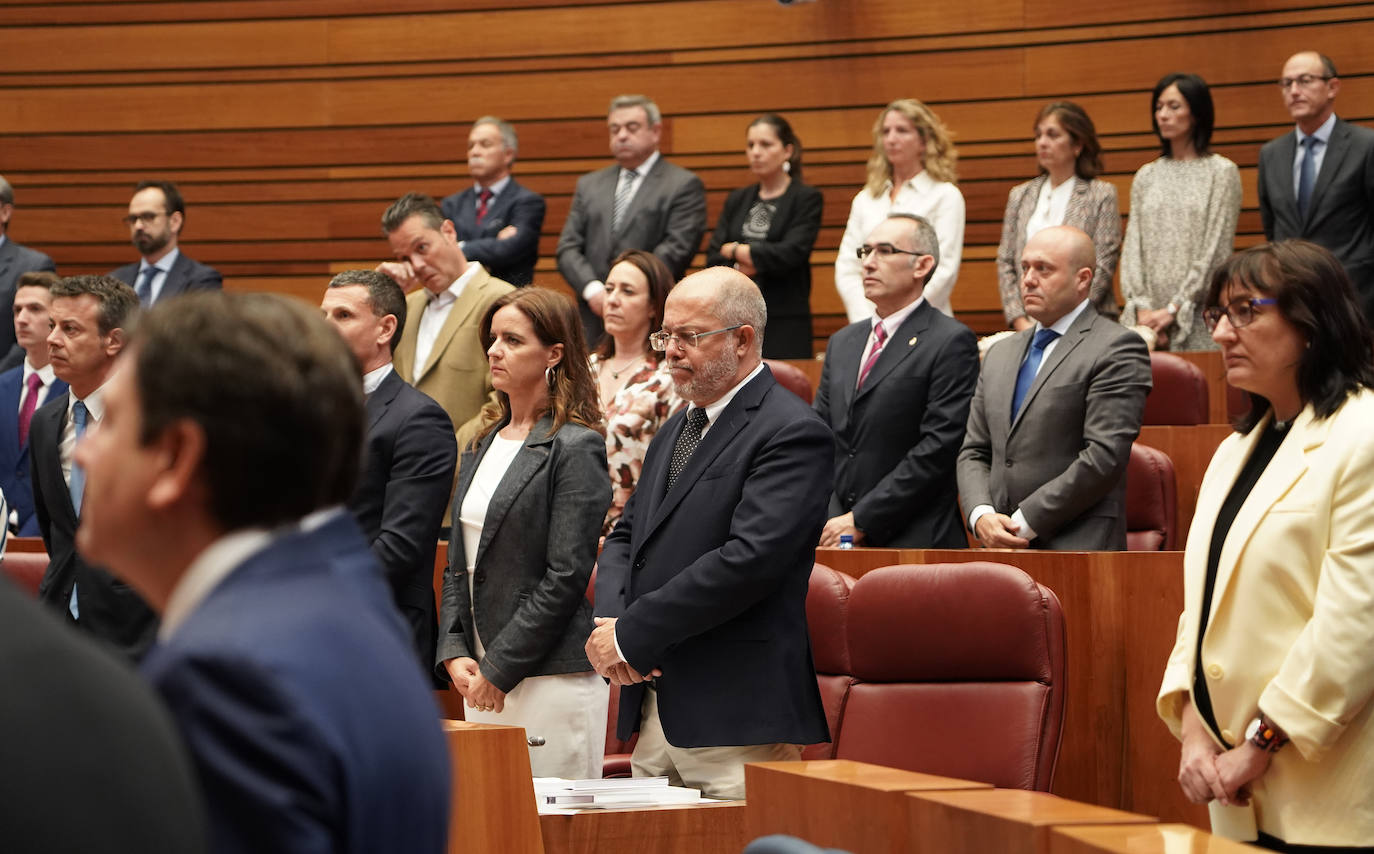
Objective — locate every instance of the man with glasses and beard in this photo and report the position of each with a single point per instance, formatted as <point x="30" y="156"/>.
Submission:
<point x="156" y="216"/>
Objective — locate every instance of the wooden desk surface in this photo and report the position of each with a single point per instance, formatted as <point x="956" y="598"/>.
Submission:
<point x="1008" y="821"/>
<point x="1141" y="839"/>
<point x="678" y="829"/>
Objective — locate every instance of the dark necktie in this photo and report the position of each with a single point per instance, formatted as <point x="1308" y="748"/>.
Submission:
<point x="35" y="382"/>
<point x="483" y="199"/>
<point x="687" y="442"/>
<point x="145" y="286"/>
<point x="1307" y="174"/>
<point x="881" y="335"/>
<point x="1026" y="375"/>
<point x="622" y="198"/>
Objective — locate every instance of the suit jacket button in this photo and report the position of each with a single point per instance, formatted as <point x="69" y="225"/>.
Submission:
<point x="478" y="577"/>
<point x="1009" y="463"/>
<point x="1228" y="736"/>
<point x="1215" y="672"/>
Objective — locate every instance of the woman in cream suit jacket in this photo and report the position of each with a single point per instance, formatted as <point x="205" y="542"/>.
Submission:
<point x="1066" y="192"/>
<point x="1273" y="704"/>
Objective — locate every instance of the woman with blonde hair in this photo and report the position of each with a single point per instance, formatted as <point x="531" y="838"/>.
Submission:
<point x="532" y="492"/>
<point x="912" y="171"/>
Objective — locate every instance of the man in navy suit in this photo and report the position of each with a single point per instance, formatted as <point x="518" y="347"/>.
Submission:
<point x="23" y="389"/>
<point x="291" y="679"/>
<point x="497" y="220"/>
<point x="89" y="316"/>
<point x="896" y="391"/>
<point x="1317" y="182"/>
<point x="15" y="260"/>
<point x="156" y="216"/>
<point x="702" y="586"/>
<point x="410" y="452"/>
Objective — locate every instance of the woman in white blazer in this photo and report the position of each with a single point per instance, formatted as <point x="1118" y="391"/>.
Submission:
<point x="1269" y="683"/>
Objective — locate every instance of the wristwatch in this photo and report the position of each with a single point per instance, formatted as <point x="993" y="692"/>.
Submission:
<point x="1262" y="734"/>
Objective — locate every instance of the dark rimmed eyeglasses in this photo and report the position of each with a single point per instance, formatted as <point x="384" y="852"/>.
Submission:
<point x="660" y="340"/>
<point x="1240" y="312"/>
<point x="147" y="218"/>
<point x="884" y="250"/>
<point x="1304" y="80"/>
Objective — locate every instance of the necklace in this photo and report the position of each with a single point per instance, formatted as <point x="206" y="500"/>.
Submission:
<point x="615" y="374"/>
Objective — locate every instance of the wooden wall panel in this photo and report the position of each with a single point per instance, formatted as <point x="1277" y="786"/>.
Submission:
<point x="291" y="125"/>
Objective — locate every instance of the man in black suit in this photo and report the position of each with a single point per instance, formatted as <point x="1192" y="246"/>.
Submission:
<point x="642" y="202"/>
<point x="702" y="586"/>
<point x="1317" y="183"/>
<point x="497" y="220"/>
<point x="896" y="391"/>
<point x="90" y="760"/>
<point x="156" y="216"/>
<point x="89" y="315"/>
<point x="15" y="260"/>
<point x="409" y="455"/>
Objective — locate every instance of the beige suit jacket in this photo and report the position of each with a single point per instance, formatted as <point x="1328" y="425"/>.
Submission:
<point x="457" y="376"/>
<point x="1292" y="624"/>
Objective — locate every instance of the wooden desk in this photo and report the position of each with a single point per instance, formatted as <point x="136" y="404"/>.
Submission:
<point x="1141" y="839"/>
<point x="1007" y="821"/>
<point x="837" y="803"/>
<point x="493" y="805"/>
<point x="686" y="829"/>
<point x="1121" y="613"/>
<point x="1191" y="450"/>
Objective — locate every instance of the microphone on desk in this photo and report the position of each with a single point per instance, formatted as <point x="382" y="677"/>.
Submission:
<point x="535" y="741"/>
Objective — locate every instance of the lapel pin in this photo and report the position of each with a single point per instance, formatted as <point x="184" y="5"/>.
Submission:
<point x="912" y="342"/>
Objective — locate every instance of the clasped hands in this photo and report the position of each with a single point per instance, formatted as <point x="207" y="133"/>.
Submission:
<point x="476" y="690"/>
<point x="1206" y="771"/>
<point x="600" y="649"/>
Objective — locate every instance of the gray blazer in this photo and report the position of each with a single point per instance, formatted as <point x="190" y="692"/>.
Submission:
<point x="15" y="261"/>
<point x="1063" y="460"/>
<point x="1093" y="208"/>
<point x="667" y="217"/>
<point x="534" y="560"/>
<point x="1341" y="213"/>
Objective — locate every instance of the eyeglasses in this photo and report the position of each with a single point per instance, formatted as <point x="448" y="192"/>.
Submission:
<point x="147" y="218"/>
<point x="1240" y="313"/>
<point x="1304" y="80"/>
<point x="884" y="250"/>
<point x="660" y="340"/>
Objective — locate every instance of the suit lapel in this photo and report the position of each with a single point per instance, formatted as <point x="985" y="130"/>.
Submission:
<point x="528" y="460"/>
<point x="1028" y="203"/>
<point x="648" y="185"/>
<point x="849" y="354"/>
<point x="1067" y="343"/>
<point x="900" y="345"/>
<point x="379" y="400"/>
<point x="466" y="305"/>
<point x="7" y="253"/>
<point x="404" y="358"/>
<point x="1285" y="149"/>
<point x="1337" y="146"/>
<point x="499" y="208"/>
<point x="1078" y="202"/>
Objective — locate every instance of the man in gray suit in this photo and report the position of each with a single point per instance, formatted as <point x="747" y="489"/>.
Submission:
<point x="642" y="202"/>
<point x="1317" y="183"/>
<point x="1056" y="409"/>
<point x="15" y="260"/>
<point x="156" y="216"/>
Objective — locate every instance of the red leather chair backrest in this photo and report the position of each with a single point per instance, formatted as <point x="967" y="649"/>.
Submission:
<point x="827" y="618"/>
<point x="25" y="569"/>
<point x="1151" y="501"/>
<point x="960" y="671"/>
<point x="1179" y="394"/>
<point x="791" y="378"/>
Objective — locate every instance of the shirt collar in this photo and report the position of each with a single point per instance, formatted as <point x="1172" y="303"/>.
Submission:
<point x="894" y="321"/>
<point x="373" y="378"/>
<point x="207" y="571"/>
<point x="1323" y="133"/>
<point x="45" y="372"/>
<point x="642" y="170"/>
<point x="450" y="294"/>
<point x="921" y="183"/>
<point x="1062" y="324"/>
<point x="163" y="264"/>
<point x="714" y="410"/>
<point x="95" y="404"/>
<point x="495" y="188"/>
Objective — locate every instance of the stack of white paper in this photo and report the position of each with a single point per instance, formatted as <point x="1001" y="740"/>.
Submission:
<point x="553" y="793"/>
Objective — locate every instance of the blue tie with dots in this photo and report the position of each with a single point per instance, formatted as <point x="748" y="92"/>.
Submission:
<point x="1026" y="376"/>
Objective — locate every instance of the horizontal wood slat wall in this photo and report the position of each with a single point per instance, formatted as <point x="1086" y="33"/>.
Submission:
<point x="290" y="125"/>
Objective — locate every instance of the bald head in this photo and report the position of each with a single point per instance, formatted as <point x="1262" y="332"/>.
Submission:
<point x="714" y="299"/>
<point x="1056" y="272"/>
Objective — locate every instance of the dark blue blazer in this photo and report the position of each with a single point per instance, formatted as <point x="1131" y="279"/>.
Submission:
<point x="709" y="580"/>
<point x="307" y="718"/>
<point x="512" y="259"/>
<point x="14" y="458"/>
<point x="185" y="275"/>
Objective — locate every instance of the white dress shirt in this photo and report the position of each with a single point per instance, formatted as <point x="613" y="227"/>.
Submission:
<point x="373" y="378"/>
<point x="164" y="266"/>
<point x="1050" y="207"/>
<point x="890" y="325"/>
<point x="436" y="313"/>
<point x="66" y="448"/>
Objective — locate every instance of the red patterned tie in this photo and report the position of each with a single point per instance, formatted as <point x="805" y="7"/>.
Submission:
<point x="483" y="198"/>
<point x="881" y="334"/>
<point x="35" y="382"/>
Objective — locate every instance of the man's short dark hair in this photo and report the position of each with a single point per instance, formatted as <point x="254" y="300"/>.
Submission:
<point x="37" y="279"/>
<point x="384" y="296"/>
<point x="275" y="390"/>
<point x="175" y="204"/>
<point x="118" y="302"/>
<point x="409" y="205"/>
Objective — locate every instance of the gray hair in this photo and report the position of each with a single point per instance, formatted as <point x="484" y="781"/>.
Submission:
<point x="923" y="238"/>
<point x="620" y="102"/>
<point x="506" y="128"/>
<point x="738" y="300"/>
<point x="6" y="192"/>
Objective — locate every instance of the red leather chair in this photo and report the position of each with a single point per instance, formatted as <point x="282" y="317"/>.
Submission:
<point x="1151" y="501"/>
<point x="25" y="569"/>
<point x="827" y="619"/>
<point x="960" y="671"/>
<point x="1179" y="394"/>
<point x="791" y="378"/>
